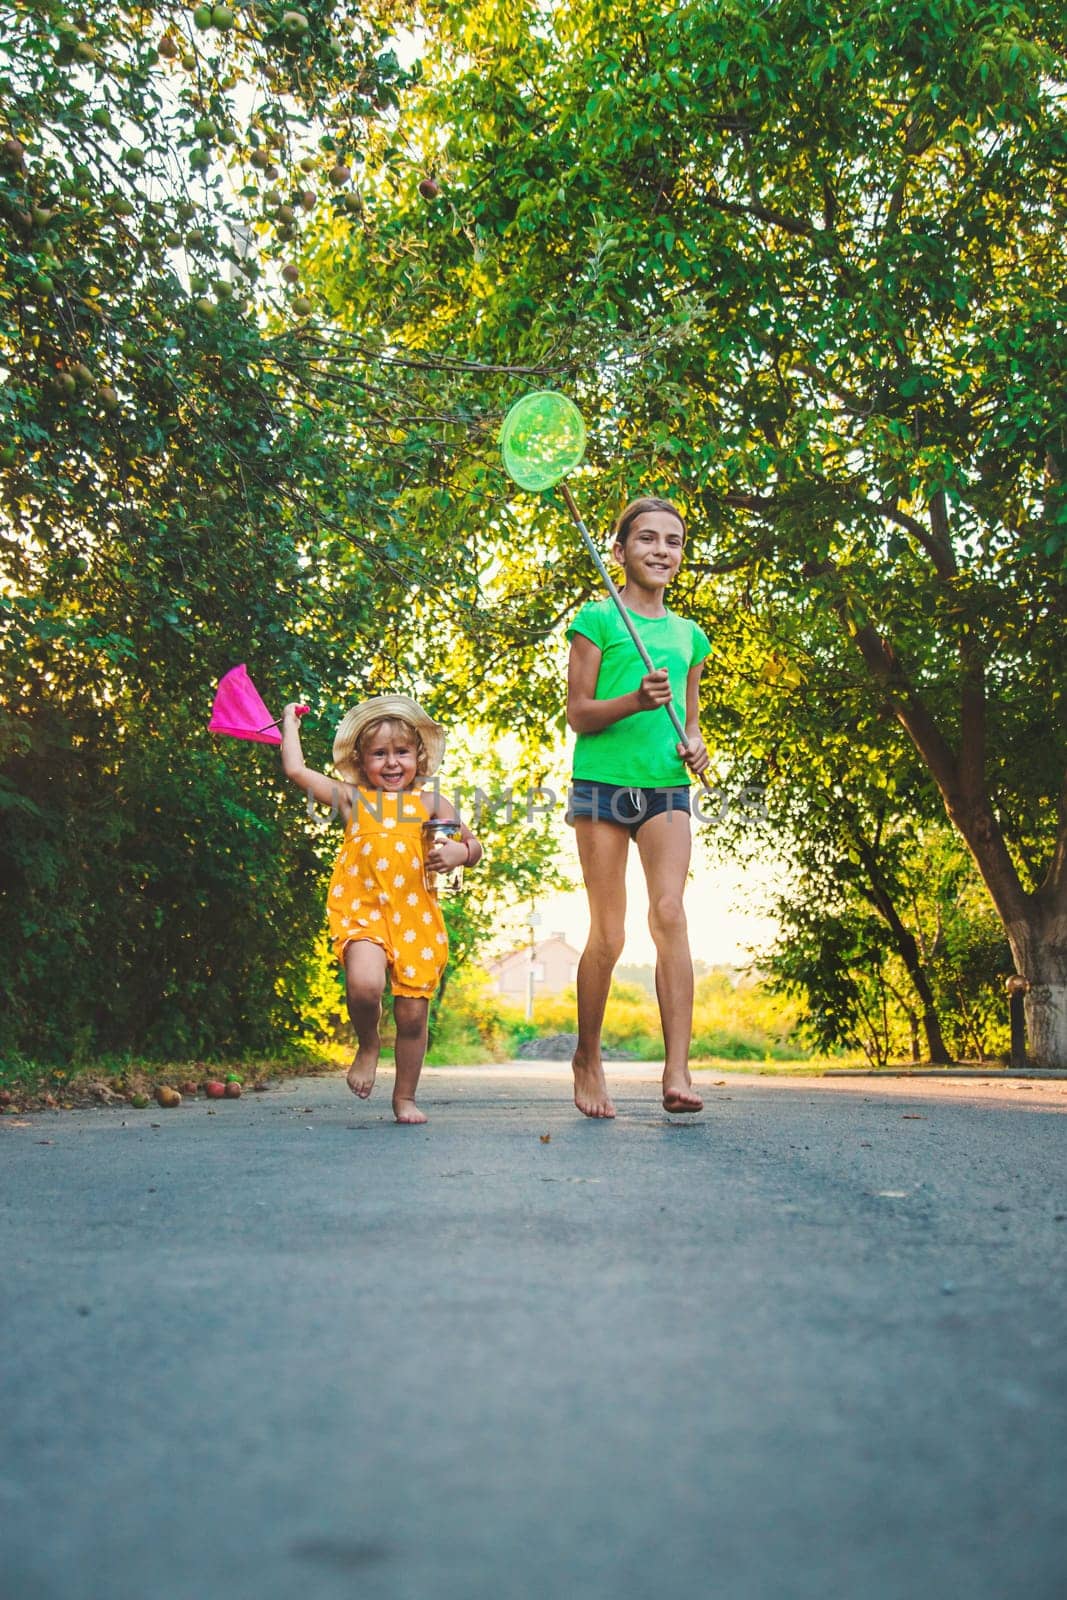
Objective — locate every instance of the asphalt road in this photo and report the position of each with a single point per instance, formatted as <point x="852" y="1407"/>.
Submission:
<point x="810" y="1345"/>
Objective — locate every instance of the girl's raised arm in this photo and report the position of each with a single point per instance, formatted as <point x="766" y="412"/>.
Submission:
<point x="327" y="791"/>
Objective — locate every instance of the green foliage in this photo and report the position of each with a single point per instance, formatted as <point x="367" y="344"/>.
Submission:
<point x="183" y="486"/>
<point x="472" y="1025"/>
<point x="264" y="299"/>
<point x="802" y="267"/>
<point x="836" y="952"/>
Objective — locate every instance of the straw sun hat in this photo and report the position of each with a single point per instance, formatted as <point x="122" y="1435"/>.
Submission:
<point x="385" y="707"/>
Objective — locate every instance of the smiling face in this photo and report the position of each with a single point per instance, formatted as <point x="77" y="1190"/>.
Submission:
<point x="389" y="755"/>
<point x="651" y="553"/>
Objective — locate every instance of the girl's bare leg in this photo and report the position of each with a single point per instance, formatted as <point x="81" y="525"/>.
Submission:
<point x="602" y="851"/>
<point x="364" y="986"/>
<point x="411" y="1015"/>
<point x="665" y="844"/>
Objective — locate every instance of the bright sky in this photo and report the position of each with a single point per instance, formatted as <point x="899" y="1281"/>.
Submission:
<point x="723" y="907"/>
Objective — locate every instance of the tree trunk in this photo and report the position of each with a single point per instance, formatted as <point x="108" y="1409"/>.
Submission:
<point x="907" y="949"/>
<point x="1035" y="923"/>
<point x="435" y="1007"/>
<point x="1046" y="1025"/>
<point x="1039" y="945"/>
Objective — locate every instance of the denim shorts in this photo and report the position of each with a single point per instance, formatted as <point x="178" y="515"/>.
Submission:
<point x="612" y="802"/>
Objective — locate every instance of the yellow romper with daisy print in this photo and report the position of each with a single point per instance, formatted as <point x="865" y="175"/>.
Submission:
<point x="378" y="891"/>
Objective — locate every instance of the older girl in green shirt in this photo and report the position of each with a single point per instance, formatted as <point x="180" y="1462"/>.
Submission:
<point x="631" y="781"/>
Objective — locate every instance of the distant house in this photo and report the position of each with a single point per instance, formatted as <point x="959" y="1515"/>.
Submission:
<point x="554" y="963"/>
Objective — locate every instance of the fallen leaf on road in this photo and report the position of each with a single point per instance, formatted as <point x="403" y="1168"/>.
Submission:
<point x="545" y="1137"/>
<point x="912" y="1116"/>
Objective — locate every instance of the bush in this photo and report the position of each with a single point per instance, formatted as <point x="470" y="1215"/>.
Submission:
<point x="735" y="1019"/>
<point x="738" y="1021"/>
<point x="471" y="1025"/>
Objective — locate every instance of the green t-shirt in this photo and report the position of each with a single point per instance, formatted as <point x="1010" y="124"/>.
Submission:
<point x="638" y="751"/>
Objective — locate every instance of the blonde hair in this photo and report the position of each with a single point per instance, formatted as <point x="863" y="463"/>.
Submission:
<point x="629" y="515"/>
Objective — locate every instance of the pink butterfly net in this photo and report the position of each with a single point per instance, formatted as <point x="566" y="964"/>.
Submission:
<point x="240" y="712"/>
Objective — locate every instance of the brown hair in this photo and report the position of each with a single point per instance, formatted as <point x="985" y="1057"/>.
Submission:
<point x="371" y="731"/>
<point x="629" y="515"/>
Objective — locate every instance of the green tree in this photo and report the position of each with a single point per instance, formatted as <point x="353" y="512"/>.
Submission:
<point x="185" y="482"/>
<point x="803" y="267"/>
<point x="882" y="937"/>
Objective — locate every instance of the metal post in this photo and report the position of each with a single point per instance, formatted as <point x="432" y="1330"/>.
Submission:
<point x="531" y="922"/>
<point x="1017" y="987"/>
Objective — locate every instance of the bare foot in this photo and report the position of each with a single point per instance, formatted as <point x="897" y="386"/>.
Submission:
<point x="590" y="1088"/>
<point x="679" y="1094"/>
<point x="407" y="1110"/>
<point x="361" y="1074"/>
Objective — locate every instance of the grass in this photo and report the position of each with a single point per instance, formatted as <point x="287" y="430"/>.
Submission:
<point x="808" y="1067"/>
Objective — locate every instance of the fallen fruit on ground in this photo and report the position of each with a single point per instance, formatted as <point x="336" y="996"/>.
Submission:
<point x="214" y="1089"/>
<point x="166" y="1096"/>
<point x="139" y="1101"/>
<point x="232" y="1090"/>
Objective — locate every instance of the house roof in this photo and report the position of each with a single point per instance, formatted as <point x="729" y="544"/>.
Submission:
<point x="539" y="948"/>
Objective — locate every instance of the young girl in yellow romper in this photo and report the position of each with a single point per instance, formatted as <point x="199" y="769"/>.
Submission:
<point x="382" y="916"/>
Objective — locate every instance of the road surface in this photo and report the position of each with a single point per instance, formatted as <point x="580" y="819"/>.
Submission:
<point x="809" y="1345"/>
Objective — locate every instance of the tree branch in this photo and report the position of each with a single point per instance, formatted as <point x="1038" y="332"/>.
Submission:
<point x="886" y="669"/>
<point x="968" y="807"/>
<point x="1053" y="887"/>
<point x="762" y="213"/>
